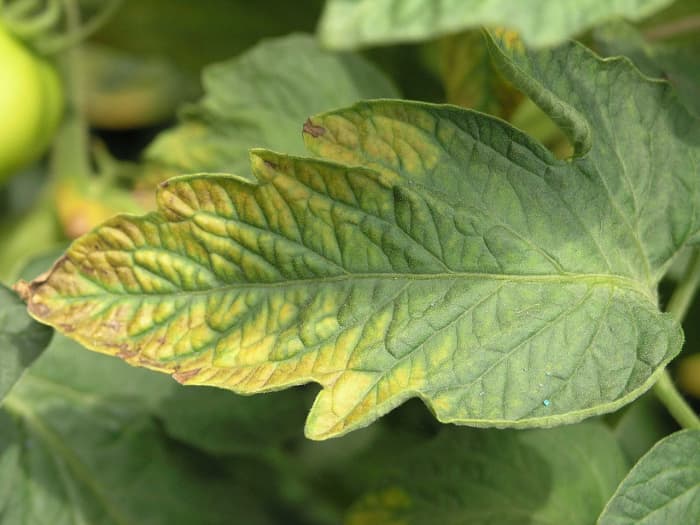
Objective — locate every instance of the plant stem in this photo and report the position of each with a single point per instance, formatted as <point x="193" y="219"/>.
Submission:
<point x="678" y="306"/>
<point x="683" y="294"/>
<point x="667" y="393"/>
<point x="80" y="32"/>
<point x="70" y="156"/>
<point x="674" y="28"/>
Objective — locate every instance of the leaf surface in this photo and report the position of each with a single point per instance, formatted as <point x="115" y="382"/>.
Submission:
<point x="21" y="339"/>
<point x="442" y="255"/>
<point x="347" y="24"/>
<point x="78" y="446"/>
<point x="664" y="487"/>
<point x="561" y="475"/>
<point x="259" y="99"/>
<point x="233" y="425"/>
<point x="215" y="30"/>
<point x="677" y="60"/>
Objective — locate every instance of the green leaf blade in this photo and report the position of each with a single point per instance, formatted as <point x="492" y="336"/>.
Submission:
<point x="608" y="127"/>
<point x="21" y="339"/>
<point x="663" y="487"/>
<point x="347" y="24"/>
<point x="562" y="475"/>
<point x="79" y="444"/>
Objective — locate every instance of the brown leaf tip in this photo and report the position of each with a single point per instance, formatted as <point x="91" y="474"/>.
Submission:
<point x="23" y="289"/>
<point x="26" y="291"/>
<point x="312" y="129"/>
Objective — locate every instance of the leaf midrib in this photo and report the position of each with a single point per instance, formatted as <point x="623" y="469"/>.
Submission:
<point x="613" y="280"/>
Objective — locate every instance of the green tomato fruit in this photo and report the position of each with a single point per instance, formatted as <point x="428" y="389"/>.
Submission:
<point x="31" y="104"/>
<point x="689" y="375"/>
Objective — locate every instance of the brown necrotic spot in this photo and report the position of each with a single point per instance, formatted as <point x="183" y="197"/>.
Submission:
<point x="312" y="129"/>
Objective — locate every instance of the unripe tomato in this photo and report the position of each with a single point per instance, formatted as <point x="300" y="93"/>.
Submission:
<point x="689" y="374"/>
<point x="31" y="104"/>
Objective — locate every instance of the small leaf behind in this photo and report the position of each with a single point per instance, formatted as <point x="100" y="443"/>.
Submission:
<point x="21" y="339"/>
<point x="664" y="487"/>
<point x="259" y="99"/>
<point x="562" y="475"/>
<point x="347" y="24"/>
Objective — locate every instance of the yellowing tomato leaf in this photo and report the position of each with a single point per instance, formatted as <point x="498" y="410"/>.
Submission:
<point x="347" y="24"/>
<point x="438" y="253"/>
<point x="664" y="487"/>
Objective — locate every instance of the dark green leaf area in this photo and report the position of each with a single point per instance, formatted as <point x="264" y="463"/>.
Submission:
<point x="89" y="452"/>
<point x="21" y="339"/>
<point x="608" y="110"/>
<point x="193" y="35"/>
<point x="215" y="421"/>
<point x="562" y="475"/>
<point x="642" y="424"/>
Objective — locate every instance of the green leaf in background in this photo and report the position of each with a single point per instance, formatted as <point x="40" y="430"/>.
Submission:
<point x="562" y="475"/>
<point x="26" y="236"/>
<point x="677" y="61"/>
<point x="125" y="91"/>
<point x="259" y="100"/>
<point x="28" y="224"/>
<point x="348" y="24"/>
<point x="462" y="263"/>
<point x="21" y="339"/>
<point x="194" y="34"/>
<point x="215" y="421"/>
<point x="78" y="445"/>
<point x="643" y="423"/>
<point x="663" y="488"/>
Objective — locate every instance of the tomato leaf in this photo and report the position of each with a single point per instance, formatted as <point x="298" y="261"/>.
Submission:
<point x="233" y="425"/>
<point x="259" y="99"/>
<point x="664" y="487"/>
<point x="21" y="339"/>
<point x="442" y="254"/>
<point x="562" y="475"/>
<point x="677" y="61"/>
<point x="78" y="445"/>
<point x="347" y="24"/>
<point x="192" y="37"/>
